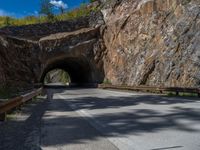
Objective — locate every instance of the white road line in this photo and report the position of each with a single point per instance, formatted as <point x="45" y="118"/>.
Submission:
<point x="122" y="143"/>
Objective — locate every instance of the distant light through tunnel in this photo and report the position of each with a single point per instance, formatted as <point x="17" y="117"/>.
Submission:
<point x="57" y="76"/>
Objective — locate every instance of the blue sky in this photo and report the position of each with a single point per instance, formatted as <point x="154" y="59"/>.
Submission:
<point x="21" y="8"/>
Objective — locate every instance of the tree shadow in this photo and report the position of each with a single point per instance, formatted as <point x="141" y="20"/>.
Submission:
<point x="118" y="102"/>
<point x="135" y="121"/>
<point x="20" y="131"/>
<point x="127" y="118"/>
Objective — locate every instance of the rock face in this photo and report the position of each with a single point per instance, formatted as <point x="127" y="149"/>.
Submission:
<point x="19" y="62"/>
<point x="152" y="42"/>
<point x="133" y="42"/>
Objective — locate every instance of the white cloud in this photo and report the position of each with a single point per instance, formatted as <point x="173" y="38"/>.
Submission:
<point x="4" y="13"/>
<point x="59" y="4"/>
<point x="36" y="12"/>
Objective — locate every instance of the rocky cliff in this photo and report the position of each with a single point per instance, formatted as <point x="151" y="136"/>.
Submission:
<point x="152" y="42"/>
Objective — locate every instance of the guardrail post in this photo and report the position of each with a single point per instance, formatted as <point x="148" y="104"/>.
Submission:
<point x="3" y="117"/>
<point x="177" y="93"/>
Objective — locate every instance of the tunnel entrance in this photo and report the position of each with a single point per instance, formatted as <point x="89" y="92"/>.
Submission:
<point x="80" y="71"/>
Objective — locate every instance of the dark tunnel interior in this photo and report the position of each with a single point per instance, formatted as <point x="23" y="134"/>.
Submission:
<point x="79" y="70"/>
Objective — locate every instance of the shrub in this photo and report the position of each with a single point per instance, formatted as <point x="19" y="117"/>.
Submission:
<point x="91" y="1"/>
<point x="107" y="81"/>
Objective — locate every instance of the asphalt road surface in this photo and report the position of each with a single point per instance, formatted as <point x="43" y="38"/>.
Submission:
<point x="95" y="119"/>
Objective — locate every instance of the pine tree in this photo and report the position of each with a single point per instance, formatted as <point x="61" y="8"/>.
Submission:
<point x="46" y="8"/>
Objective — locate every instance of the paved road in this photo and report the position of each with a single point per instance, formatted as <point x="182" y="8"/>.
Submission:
<point x="94" y="119"/>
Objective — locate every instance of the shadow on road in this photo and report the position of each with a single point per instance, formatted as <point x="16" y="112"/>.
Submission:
<point x="135" y="121"/>
<point x="23" y="128"/>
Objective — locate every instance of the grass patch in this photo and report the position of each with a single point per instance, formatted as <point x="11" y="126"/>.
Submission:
<point x="107" y="81"/>
<point x="181" y="94"/>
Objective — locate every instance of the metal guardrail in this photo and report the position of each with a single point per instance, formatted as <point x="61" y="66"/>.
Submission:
<point x="9" y="105"/>
<point x="177" y="90"/>
<point x="183" y="90"/>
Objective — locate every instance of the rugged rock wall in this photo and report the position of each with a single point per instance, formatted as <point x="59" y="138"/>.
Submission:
<point x="152" y="42"/>
<point x="19" y="62"/>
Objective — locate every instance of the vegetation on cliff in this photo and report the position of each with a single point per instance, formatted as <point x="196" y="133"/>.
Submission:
<point x="83" y="10"/>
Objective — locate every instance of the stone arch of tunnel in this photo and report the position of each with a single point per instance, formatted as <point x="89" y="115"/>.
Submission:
<point x="80" y="70"/>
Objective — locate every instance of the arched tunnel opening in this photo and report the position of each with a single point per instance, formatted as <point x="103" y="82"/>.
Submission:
<point x="80" y="71"/>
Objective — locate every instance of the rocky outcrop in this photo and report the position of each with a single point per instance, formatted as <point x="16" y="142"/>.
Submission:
<point x="152" y="42"/>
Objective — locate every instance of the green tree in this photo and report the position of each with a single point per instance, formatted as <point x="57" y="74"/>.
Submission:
<point x="46" y="8"/>
<point x="91" y="1"/>
<point x="7" y="21"/>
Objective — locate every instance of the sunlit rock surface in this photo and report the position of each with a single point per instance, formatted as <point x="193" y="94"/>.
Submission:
<point x="153" y="42"/>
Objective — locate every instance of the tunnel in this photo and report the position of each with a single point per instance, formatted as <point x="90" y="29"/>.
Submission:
<point x="80" y="70"/>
